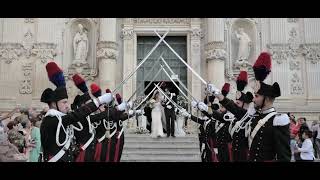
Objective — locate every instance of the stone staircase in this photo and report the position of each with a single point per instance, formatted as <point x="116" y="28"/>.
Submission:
<point x="143" y="148"/>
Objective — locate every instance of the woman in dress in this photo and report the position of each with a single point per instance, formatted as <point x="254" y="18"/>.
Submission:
<point x="157" y="115"/>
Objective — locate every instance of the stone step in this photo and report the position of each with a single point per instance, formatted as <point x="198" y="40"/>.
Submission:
<point x="143" y="145"/>
<point x="160" y="158"/>
<point x="161" y="151"/>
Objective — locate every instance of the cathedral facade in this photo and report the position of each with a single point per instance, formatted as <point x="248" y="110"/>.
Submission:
<point x="107" y="50"/>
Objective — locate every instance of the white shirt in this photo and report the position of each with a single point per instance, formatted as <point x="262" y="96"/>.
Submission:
<point x="306" y="150"/>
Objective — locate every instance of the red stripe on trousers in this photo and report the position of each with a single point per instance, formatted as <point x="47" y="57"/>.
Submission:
<point x="81" y="155"/>
<point x="230" y="152"/>
<point x="97" y="154"/>
<point x="117" y="149"/>
<point x="213" y="154"/>
<point x="108" y="150"/>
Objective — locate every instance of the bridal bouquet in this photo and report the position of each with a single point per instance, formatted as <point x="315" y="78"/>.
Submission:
<point x="182" y="101"/>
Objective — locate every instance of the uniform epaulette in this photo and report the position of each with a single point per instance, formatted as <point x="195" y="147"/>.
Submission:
<point x="281" y="120"/>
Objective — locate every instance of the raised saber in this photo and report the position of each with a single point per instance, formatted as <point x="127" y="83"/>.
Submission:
<point x="151" y="70"/>
<point x="147" y="96"/>
<point x="174" y="52"/>
<point x="176" y="105"/>
<point x="178" y="79"/>
<point x="175" y="84"/>
<point x="152" y="80"/>
<point x="150" y="52"/>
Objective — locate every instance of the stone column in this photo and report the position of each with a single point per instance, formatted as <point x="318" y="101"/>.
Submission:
<point x="107" y="53"/>
<point x="129" y="63"/>
<point x="195" y="62"/>
<point x="196" y="35"/>
<point x="215" y="51"/>
<point x="128" y="57"/>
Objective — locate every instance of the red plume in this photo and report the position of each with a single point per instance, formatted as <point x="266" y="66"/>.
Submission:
<point x="94" y="88"/>
<point x="52" y="68"/>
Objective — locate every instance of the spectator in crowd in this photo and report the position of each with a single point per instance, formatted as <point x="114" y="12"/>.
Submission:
<point x="26" y="129"/>
<point x="4" y="117"/>
<point x="35" y="139"/>
<point x="14" y="136"/>
<point x="8" y="151"/>
<point x="316" y="138"/>
<point x="306" y="151"/>
<point x="292" y="135"/>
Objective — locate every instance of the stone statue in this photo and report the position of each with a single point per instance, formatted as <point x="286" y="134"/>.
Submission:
<point x="80" y="44"/>
<point x="244" y="46"/>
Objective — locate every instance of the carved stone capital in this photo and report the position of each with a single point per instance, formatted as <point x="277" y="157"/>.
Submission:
<point x="311" y="52"/>
<point x="292" y="20"/>
<point x="215" y="45"/>
<point x="10" y="52"/>
<point x="107" y="50"/>
<point x="216" y="54"/>
<point x="44" y="51"/>
<point x="127" y="33"/>
<point x="29" y="20"/>
<point x="196" y="33"/>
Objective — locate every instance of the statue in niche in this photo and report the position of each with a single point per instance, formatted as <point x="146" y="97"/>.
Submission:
<point x="244" y="47"/>
<point x="80" y="45"/>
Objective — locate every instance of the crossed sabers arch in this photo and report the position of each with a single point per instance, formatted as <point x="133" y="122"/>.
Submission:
<point x="162" y="68"/>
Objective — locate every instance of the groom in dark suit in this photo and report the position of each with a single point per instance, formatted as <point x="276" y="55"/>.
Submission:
<point x="169" y="112"/>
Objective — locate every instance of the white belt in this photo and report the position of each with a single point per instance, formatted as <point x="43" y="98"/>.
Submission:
<point x="261" y="122"/>
<point x="219" y="127"/>
<point x="84" y="147"/>
<point x="59" y="155"/>
<point x="120" y="133"/>
<point x="112" y="134"/>
<point x="102" y="138"/>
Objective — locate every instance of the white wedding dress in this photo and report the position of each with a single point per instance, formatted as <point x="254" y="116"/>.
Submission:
<point x="178" y="126"/>
<point x="156" y="124"/>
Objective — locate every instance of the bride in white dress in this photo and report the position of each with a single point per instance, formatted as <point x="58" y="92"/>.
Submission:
<point x="156" y="115"/>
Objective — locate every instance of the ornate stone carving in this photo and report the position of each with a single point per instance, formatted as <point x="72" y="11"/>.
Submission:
<point x="216" y="54"/>
<point x="279" y="52"/>
<point x="107" y="50"/>
<point x="28" y="43"/>
<point x="26" y="83"/>
<point x="29" y="20"/>
<point x="292" y="20"/>
<point x="44" y="51"/>
<point x="311" y="52"/>
<point x="165" y="21"/>
<point x="296" y="84"/>
<point x="294" y="65"/>
<point x="10" y="52"/>
<point x="215" y="45"/>
<point x="127" y="33"/>
<point x="196" y="33"/>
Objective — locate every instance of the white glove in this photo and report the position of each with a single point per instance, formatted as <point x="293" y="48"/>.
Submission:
<point x="194" y="104"/>
<point x="122" y="106"/>
<point x="129" y="105"/>
<point x="105" y="99"/>
<point x="202" y="107"/>
<point x="130" y="112"/>
<point x="139" y="112"/>
<point x="212" y="89"/>
<point x="169" y="106"/>
<point x="185" y="113"/>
